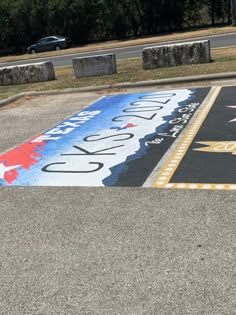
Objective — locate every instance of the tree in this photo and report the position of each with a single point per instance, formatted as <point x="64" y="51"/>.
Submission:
<point x="233" y="12"/>
<point x="25" y="21"/>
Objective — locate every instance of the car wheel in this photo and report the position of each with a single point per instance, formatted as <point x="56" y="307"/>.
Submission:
<point x="33" y="51"/>
<point x="57" y="47"/>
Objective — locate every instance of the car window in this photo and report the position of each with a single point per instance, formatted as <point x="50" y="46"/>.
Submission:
<point x="49" y="39"/>
<point x="40" y="41"/>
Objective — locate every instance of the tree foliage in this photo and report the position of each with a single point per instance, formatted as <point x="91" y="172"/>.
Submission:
<point x="25" y="21"/>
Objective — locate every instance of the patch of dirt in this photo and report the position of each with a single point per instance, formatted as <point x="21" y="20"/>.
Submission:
<point x="20" y="101"/>
<point x="111" y="91"/>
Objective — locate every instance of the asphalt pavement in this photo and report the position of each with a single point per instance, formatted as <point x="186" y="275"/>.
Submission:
<point x="120" y="250"/>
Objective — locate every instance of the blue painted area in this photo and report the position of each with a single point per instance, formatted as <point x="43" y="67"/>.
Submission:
<point x="96" y="137"/>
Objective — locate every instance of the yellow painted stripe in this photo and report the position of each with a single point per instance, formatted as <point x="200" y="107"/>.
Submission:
<point x="194" y="186"/>
<point x="162" y="181"/>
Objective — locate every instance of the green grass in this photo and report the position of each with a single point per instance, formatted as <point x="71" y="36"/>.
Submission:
<point x="129" y="70"/>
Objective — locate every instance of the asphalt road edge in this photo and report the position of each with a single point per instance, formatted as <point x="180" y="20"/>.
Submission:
<point x="187" y="79"/>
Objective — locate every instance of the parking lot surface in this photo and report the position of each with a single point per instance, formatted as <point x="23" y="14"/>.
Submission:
<point x="151" y="244"/>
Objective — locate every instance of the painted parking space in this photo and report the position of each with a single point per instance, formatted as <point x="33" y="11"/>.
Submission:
<point x="117" y="141"/>
<point x="205" y="156"/>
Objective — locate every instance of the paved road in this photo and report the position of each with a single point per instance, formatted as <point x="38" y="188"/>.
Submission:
<point x="128" y="52"/>
<point x="88" y="250"/>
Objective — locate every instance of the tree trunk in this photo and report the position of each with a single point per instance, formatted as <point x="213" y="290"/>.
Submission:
<point x="233" y="12"/>
<point x="212" y="12"/>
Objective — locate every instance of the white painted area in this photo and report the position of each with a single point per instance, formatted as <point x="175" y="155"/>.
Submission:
<point x="128" y="148"/>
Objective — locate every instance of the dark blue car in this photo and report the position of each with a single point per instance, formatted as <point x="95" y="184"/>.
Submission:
<point x="49" y="43"/>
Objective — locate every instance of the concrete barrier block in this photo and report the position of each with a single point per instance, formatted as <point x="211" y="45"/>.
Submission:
<point x="28" y="73"/>
<point x="176" y="54"/>
<point x="94" y="65"/>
